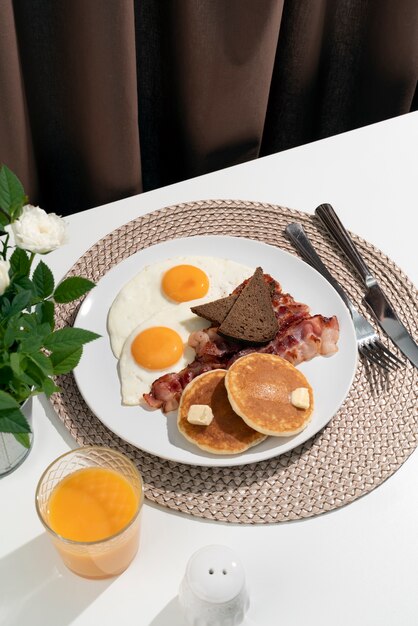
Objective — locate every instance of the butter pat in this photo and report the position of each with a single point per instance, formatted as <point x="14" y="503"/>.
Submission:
<point x="300" y="398"/>
<point x="200" y="414"/>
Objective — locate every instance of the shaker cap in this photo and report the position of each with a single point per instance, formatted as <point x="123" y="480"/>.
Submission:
<point x="215" y="574"/>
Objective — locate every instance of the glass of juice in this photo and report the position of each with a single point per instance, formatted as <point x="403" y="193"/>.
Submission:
<point x="90" y="502"/>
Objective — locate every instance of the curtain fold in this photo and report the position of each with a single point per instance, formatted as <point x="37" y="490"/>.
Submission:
<point x="79" y="71"/>
<point x="16" y="147"/>
<point x="101" y="100"/>
<point x="340" y="66"/>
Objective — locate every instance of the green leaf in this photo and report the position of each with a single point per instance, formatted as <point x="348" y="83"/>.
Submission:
<point x="12" y="194"/>
<point x="30" y="344"/>
<point x="43" y="280"/>
<point x="21" y="385"/>
<point x="4" y="220"/>
<point x="72" y="288"/>
<point x="42" y="361"/>
<point x="20" y="302"/>
<point x="6" y="375"/>
<point x="4" y="306"/>
<point x="64" y="361"/>
<point x="49" y="387"/>
<point x="34" y="372"/>
<point x="17" y="363"/>
<point x="23" y="283"/>
<point x="19" y="262"/>
<point x="29" y="322"/>
<point x="22" y="438"/>
<point x="10" y="334"/>
<point x="25" y="329"/>
<point x="20" y="388"/>
<point x="45" y="313"/>
<point x="7" y="402"/>
<point x="12" y="419"/>
<point x="69" y="338"/>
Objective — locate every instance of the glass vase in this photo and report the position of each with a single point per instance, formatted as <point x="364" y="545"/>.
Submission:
<point x="13" y="453"/>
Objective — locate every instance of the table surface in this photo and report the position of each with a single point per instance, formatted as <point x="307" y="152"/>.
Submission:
<point x="355" y="565"/>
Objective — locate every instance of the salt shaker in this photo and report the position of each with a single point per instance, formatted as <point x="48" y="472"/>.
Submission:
<point x="213" y="591"/>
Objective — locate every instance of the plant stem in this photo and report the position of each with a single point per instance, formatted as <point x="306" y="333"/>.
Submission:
<point x="5" y="246"/>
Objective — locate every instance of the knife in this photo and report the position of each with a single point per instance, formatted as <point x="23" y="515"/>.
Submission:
<point x="374" y="297"/>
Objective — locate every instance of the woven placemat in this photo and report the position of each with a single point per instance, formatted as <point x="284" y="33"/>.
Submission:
<point x="366" y="442"/>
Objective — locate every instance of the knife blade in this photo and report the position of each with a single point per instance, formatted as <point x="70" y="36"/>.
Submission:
<point x="374" y="298"/>
<point x="384" y="314"/>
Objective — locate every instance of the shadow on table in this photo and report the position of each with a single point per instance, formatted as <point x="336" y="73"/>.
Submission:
<point x="56" y="422"/>
<point x="171" y="614"/>
<point x="37" y="588"/>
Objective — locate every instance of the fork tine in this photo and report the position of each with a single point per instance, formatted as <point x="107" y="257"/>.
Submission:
<point x="378" y="348"/>
<point x="390" y="354"/>
<point x="379" y="356"/>
<point x="370" y="356"/>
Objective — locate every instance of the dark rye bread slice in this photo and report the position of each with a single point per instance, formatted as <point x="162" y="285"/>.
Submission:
<point x="215" y="311"/>
<point x="252" y="317"/>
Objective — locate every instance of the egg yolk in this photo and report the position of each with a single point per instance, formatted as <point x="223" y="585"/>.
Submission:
<point x="185" y="282"/>
<point x="157" y="348"/>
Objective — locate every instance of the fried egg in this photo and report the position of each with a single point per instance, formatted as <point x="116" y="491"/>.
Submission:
<point x="156" y="347"/>
<point x="165" y="285"/>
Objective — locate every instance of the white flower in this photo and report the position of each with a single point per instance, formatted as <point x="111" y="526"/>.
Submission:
<point x="38" y="231"/>
<point x="4" y="276"/>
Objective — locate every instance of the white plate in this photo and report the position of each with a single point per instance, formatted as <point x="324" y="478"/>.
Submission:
<point x="154" y="432"/>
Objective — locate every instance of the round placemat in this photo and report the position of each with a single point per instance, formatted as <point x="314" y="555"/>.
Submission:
<point x="369" y="438"/>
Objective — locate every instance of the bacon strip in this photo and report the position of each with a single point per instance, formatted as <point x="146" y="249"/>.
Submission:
<point x="300" y="338"/>
<point x="166" y="391"/>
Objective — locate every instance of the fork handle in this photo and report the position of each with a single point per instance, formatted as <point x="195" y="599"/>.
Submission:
<point x="297" y="235"/>
<point x="334" y="226"/>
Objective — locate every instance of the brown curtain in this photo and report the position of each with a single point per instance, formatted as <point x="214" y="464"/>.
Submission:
<point x="104" y="99"/>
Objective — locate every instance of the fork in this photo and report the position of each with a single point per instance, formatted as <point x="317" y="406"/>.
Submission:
<point x="368" y="342"/>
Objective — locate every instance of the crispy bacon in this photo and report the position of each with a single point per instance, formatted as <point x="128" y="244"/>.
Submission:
<point x="300" y="338"/>
<point x="306" y="338"/>
<point x="166" y="391"/>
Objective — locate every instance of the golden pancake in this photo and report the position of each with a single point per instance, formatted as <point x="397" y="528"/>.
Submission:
<point x="259" y="389"/>
<point x="227" y="433"/>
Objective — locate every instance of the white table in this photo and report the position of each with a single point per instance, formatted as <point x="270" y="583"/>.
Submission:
<point x="356" y="565"/>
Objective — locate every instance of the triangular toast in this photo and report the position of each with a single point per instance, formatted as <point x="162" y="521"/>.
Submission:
<point x="251" y="317"/>
<point x="215" y="311"/>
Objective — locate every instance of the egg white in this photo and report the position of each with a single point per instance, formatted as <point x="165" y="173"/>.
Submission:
<point x="142" y="296"/>
<point x="136" y="380"/>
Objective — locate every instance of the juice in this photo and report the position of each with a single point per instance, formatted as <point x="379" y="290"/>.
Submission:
<point x="91" y="504"/>
<point x="93" y="512"/>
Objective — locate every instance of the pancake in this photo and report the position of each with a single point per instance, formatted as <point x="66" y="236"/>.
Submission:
<point x="227" y="433"/>
<point x="259" y="387"/>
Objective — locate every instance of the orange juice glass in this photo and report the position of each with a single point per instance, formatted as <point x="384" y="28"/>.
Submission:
<point x="90" y="502"/>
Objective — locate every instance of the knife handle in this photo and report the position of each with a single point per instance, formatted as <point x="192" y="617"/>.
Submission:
<point x="297" y="235"/>
<point x="333" y="224"/>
